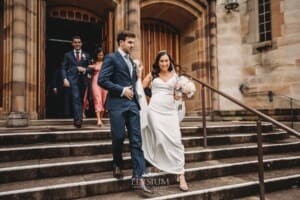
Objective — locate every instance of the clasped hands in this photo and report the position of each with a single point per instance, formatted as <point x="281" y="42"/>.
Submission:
<point x="81" y="69"/>
<point x="182" y="97"/>
<point x="128" y="92"/>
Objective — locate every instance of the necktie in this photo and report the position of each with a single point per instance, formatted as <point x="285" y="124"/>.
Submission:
<point x="129" y="64"/>
<point x="77" y="56"/>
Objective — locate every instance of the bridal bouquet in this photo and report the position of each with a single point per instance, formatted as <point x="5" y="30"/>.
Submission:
<point x="185" y="86"/>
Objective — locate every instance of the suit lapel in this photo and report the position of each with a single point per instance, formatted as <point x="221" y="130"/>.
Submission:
<point x="123" y="62"/>
<point x="73" y="56"/>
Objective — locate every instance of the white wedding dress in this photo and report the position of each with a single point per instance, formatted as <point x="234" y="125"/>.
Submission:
<point x="161" y="134"/>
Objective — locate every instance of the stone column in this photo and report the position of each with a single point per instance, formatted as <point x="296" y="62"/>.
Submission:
<point x="18" y="116"/>
<point x="7" y="56"/>
<point x="213" y="52"/>
<point x="134" y="24"/>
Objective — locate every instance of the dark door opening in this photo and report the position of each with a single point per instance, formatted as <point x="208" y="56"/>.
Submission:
<point x="59" y="36"/>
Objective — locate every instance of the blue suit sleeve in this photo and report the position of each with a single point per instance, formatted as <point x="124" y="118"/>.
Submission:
<point x="64" y="67"/>
<point x="88" y="69"/>
<point x="105" y="77"/>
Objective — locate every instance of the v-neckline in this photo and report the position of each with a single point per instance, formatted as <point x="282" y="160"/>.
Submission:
<point x="167" y="80"/>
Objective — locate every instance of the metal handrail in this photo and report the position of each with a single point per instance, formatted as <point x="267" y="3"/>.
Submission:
<point x="253" y="110"/>
<point x="285" y="96"/>
<point x="259" y="128"/>
<point x="292" y="101"/>
<point x="271" y="95"/>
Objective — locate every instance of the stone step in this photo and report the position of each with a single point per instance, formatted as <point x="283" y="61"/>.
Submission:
<point x="253" y="118"/>
<point x="66" y="126"/>
<point x="102" y="183"/>
<point x="89" y="121"/>
<point x="64" y="149"/>
<point x="240" y="188"/>
<point x="56" y="135"/>
<point x="292" y="193"/>
<point x="44" y="168"/>
<point x="224" y="188"/>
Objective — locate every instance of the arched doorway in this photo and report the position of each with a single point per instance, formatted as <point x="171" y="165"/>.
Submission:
<point x="188" y="44"/>
<point x="63" y="23"/>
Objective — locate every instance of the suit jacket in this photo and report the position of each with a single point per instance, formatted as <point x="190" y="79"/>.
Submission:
<point x="57" y="81"/>
<point x="114" y="76"/>
<point x="69" y="66"/>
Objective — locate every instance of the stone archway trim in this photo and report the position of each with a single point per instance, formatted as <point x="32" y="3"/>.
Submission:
<point x="192" y="7"/>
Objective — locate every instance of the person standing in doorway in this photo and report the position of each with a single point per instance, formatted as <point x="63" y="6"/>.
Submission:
<point x="118" y="76"/>
<point x="99" y="94"/>
<point x="74" y="70"/>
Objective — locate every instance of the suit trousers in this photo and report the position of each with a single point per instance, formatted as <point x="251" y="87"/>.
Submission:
<point x="77" y="90"/>
<point x="130" y="119"/>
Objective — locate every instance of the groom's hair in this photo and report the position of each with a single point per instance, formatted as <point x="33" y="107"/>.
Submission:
<point x="76" y="37"/>
<point x="123" y="34"/>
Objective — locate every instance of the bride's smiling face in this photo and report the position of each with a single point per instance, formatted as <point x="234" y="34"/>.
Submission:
<point x="164" y="63"/>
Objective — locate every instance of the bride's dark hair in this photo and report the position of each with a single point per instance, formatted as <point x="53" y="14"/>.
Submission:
<point x="155" y="66"/>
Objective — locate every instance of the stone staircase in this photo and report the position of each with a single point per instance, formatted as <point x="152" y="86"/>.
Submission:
<point x="52" y="160"/>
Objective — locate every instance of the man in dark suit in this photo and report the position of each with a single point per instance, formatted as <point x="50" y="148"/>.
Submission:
<point x="63" y="96"/>
<point x="74" y="70"/>
<point x="118" y="76"/>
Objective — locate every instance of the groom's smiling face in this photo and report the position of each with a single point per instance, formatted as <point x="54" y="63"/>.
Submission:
<point x="127" y="45"/>
<point x="77" y="44"/>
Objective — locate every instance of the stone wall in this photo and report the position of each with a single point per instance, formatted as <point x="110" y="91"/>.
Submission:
<point x="191" y="57"/>
<point x="259" y="67"/>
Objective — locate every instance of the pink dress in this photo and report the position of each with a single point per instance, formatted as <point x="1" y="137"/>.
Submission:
<point x="99" y="94"/>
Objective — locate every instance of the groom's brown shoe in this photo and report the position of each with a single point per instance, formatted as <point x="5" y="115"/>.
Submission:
<point x="117" y="173"/>
<point x="78" y="123"/>
<point x="139" y="184"/>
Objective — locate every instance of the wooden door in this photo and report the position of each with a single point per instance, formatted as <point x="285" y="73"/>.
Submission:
<point x="1" y="52"/>
<point x="157" y="36"/>
<point x="107" y="42"/>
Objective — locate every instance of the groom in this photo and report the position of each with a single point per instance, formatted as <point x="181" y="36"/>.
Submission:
<point x="118" y="76"/>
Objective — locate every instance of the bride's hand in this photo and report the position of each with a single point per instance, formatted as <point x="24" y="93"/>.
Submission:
<point x="176" y="97"/>
<point x="140" y="72"/>
<point x="139" y="68"/>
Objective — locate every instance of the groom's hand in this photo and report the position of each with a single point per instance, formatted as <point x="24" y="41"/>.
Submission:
<point x="66" y="83"/>
<point x="128" y="92"/>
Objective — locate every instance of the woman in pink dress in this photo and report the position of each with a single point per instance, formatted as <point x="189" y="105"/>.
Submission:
<point x="99" y="94"/>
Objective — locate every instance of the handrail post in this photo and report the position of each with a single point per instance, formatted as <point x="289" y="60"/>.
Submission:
<point x="292" y="112"/>
<point x="260" y="160"/>
<point x="203" y="116"/>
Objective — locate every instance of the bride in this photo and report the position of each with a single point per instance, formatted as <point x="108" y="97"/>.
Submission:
<point x="160" y="126"/>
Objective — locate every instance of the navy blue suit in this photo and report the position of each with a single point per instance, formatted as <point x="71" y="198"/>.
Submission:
<point x="114" y="76"/>
<point x="78" y="81"/>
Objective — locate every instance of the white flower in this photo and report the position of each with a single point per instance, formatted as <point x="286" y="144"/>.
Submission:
<point x="83" y="56"/>
<point x="185" y="86"/>
<point x="138" y="65"/>
<point x="136" y="62"/>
